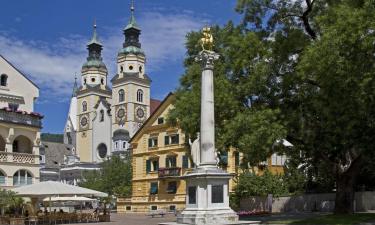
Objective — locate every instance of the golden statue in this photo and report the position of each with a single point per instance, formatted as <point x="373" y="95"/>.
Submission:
<point x="207" y="41"/>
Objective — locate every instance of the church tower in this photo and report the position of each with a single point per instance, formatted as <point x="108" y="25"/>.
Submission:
<point x="131" y="88"/>
<point x="93" y="109"/>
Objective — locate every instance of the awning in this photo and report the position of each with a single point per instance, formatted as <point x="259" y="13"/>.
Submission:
<point x="52" y="188"/>
<point x="68" y="199"/>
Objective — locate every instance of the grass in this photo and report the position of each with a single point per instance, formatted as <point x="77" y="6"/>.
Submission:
<point x="329" y="219"/>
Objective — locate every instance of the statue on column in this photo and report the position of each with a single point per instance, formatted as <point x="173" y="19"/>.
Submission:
<point x="195" y="150"/>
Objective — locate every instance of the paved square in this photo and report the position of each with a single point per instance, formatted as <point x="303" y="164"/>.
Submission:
<point x="135" y="219"/>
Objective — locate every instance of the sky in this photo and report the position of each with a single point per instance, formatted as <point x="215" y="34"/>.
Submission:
<point x="46" y="40"/>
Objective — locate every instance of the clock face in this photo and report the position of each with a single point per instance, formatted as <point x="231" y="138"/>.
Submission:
<point x="121" y="113"/>
<point x="83" y="121"/>
<point x="140" y="113"/>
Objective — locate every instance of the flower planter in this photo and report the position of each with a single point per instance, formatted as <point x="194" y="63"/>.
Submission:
<point x="104" y="218"/>
<point x="16" y="221"/>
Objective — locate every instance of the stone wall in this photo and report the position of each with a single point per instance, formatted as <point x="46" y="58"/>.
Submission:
<point x="325" y="202"/>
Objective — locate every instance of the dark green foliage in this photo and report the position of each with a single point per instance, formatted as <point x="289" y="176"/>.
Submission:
<point x="59" y="138"/>
<point x="114" y="177"/>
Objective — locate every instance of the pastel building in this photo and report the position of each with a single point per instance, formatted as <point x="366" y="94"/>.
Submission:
<point x="19" y="128"/>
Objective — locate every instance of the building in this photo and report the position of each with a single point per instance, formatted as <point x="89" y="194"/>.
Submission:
<point x="160" y="157"/>
<point x="102" y="117"/>
<point x="52" y="156"/>
<point x="19" y="128"/>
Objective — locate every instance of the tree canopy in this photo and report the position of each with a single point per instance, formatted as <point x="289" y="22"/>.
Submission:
<point x="299" y="70"/>
<point x="114" y="177"/>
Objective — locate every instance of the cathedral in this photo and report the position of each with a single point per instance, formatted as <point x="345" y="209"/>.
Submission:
<point x="102" y="118"/>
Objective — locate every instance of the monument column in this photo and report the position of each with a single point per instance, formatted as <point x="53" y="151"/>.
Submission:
<point x="207" y="143"/>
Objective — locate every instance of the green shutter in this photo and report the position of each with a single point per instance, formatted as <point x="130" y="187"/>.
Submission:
<point x="174" y="162"/>
<point x="224" y="157"/>
<point x="149" y="142"/>
<point x="154" y="188"/>
<point x="148" y="166"/>
<point x="166" y="140"/>
<point x="167" y="162"/>
<point x="157" y="165"/>
<point x="185" y="161"/>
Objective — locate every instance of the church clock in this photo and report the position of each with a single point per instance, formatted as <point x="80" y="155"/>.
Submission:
<point x="121" y="113"/>
<point x="84" y="121"/>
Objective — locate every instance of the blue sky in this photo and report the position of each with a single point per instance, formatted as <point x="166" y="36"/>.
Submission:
<point x="46" y="39"/>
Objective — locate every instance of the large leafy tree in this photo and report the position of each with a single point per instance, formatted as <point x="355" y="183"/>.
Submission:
<point x="114" y="177"/>
<point x="302" y="70"/>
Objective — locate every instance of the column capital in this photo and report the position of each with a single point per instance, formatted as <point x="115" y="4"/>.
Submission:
<point x="207" y="59"/>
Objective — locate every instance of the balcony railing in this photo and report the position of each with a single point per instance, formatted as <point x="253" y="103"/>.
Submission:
<point x="19" y="117"/>
<point x="169" y="172"/>
<point x="18" y="157"/>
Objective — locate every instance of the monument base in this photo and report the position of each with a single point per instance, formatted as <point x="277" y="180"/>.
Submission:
<point x="204" y="217"/>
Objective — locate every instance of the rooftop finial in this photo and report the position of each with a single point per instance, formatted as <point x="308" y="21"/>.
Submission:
<point x="75" y="87"/>
<point x="132" y="7"/>
<point x="94" y="39"/>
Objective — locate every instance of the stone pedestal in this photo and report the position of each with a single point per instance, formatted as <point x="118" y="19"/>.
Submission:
<point x="207" y="198"/>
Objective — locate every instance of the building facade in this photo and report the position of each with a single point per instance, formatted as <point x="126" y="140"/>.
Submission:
<point x="19" y="128"/>
<point x="160" y="157"/>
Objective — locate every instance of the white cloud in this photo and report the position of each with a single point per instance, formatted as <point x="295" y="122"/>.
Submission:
<point x="52" y="67"/>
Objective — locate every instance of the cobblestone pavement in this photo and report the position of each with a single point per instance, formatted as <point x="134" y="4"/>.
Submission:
<point x="135" y="219"/>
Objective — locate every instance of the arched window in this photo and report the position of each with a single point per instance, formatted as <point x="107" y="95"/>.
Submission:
<point x="22" y="177"/>
<point x="121" y="95"/>
<point x="22" y="144"/>
<point x="102" y="150"/>
<point x="101" y="115"/>
<point x="2" y="178"/>
<point x="139" y="95"/>
<point x="84" y="106"/>
<point x="3" y="80"/>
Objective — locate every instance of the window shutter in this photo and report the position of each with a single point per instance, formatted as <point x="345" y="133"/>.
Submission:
<point x="156" y="165"/>
<point x="185" y="161"/>
<point x="178" y="139"/>
<point x="148" y="166"/>
<point x="167" y="162"/>
<point x="166" y="140"/>
<point x="224" y="158"/>
<point x="174" y="163"/>
<point x="149" y="142"/>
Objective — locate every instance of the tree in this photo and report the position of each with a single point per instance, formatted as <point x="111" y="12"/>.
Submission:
<point x="300" y="70"/>
<point x="114" y="177"/>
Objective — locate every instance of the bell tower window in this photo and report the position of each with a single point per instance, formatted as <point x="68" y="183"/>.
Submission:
<point x="3" y="80"/>
<point x="84" y="106"/>
<point x="121" y="95"/>
<point x="140" y="69"/>
<point x="93" y="80"/>
<point x="121" y="69"/>
<point x="102" y="81"/>
<point x="139" y="95"/>
<point x="101" y="115"/>
<point x="130" y="67"/>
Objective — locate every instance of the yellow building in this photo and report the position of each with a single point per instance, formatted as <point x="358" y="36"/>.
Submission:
<point x="159" y="159"/>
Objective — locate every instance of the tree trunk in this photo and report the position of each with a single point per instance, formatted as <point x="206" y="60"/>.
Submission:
<point x="345" y="182"/>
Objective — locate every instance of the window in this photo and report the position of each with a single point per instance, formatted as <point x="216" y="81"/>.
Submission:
<point x="131" y="67"/>
<point x="152" y="165"/>
<point x="153" y="142"/>
<point x="172" y="208"/>
<point x="224" y="158"/>
<point x="84" y="106"/>
<point x="185" y="161"/>
<point x="22" y="177"/>
<point x="102" y="81"/>
<point x="121" y="69"/>
<point x="84" y="81"/>
<point x="2" y="178"/>
<point x="154" y="207"/>
<point x="172" y="139"/>
<point x="93" y="80"/>
<point x="170" y="162"/>
<point x="102" y="150"/>
<point x="101" y="116"/>
<point x="13" y="106"/>
<point x="278" y="160"/>
<point x="160" y="120"/>
<point x="172" y="187"/>
<point x="3" y="80"/>
<point x="116" y="145"/>
<point x="124" y="145"/>
<point x="139" y="95"/>
<point x="217" y="195"/>
<point x="128" y="208"/>
<point x="140" y="69"/>
<point x="121" y="95"/>
<point x="154" y="189"/>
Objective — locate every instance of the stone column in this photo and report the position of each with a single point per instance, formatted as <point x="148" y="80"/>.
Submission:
<point x="207" y="138"/>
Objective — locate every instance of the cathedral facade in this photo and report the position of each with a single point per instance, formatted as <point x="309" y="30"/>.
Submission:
<point x="102" y="119"/>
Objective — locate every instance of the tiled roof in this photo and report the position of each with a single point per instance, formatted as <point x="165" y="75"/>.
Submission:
<point x="154" y="104"/>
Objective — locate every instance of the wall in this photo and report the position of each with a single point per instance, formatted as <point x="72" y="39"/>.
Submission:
<point x="325" y="202"/>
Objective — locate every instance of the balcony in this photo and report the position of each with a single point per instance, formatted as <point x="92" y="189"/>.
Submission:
<point x="169" y="172"/>
<point x="14" y="157"/>
<point x="21" y="117"/>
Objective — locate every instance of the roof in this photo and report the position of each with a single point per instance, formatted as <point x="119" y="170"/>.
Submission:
<point x="19" y="71"/>
<point x="95" y="88"/>
<point x="170" y="94"/>
<point x="94" y="39"/>
<point x="54" y="153"/>
<point x="106" y="104"/>
<point x="131" y="76"/>
<point x="154" y="104"/>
